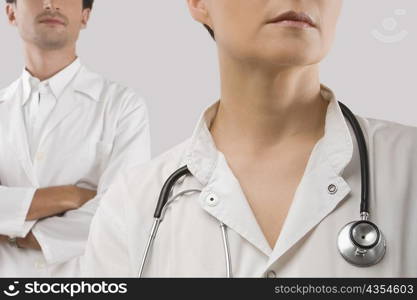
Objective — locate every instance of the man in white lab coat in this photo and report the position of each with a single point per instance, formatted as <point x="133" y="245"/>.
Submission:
<point x="65" y="132"/>
<point x="275" y="171"/>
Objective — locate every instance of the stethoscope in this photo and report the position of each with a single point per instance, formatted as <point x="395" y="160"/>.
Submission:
<point x="361" y="243"/>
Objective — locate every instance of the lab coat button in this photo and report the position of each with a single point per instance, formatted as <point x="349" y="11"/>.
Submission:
<point x="40" y="156"/>
<point x="332" y="189"/>
<point x="44" y="88"/>
<point x="271" y="274"/>
<point x="212" y="200"/>
<point x="39" y="264"/>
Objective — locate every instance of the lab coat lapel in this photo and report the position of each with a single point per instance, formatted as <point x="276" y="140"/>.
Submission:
<point x="64" y="108"/>
<point x="312" y="203"/>
<point x="210" y="169"/>
<point x="12" y="121"/>
<point x="322" y="187"/>
<point x="231" y="206"/>
<point x="85" y="86"/>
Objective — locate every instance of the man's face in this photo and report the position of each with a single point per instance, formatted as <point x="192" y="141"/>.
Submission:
<point x="244" y="30"/>
<point x="48" y="24"/>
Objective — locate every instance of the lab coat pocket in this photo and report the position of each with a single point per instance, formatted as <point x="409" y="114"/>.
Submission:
<point x="99" y="156"/>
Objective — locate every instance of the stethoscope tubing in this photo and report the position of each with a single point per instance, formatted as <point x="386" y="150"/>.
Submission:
<point x="363" y="156"/>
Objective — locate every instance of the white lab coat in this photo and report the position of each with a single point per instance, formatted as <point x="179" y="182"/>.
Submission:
<point x="189" y="241"/>
<point x="94" y="131"/>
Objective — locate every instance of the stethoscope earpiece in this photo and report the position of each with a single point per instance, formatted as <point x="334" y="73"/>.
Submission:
<point x="361" y="243"/>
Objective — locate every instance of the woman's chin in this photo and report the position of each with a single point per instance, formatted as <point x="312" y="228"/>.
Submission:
<point x="289" y="58"/>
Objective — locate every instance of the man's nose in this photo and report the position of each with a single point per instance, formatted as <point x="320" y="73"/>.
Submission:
<point x="50" y="5"/>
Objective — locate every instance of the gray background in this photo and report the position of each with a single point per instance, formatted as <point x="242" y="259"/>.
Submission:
<point x="156" y="48"/>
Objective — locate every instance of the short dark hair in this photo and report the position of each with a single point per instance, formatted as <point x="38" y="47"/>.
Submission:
<point x="210" y="31"/>
<point x="86" y="3"/>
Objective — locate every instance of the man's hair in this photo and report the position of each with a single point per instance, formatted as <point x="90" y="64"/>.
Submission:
<point x="86" y="3"/>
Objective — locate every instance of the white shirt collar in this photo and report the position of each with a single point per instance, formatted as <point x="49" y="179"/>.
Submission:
<point x="336" y="143"/>
<point x="57" y="83"/>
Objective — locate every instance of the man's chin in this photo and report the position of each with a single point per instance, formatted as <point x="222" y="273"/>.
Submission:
<point x="52" y="43"/>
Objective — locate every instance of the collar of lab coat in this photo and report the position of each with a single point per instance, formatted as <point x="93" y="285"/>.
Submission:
<point x="57" y="83"/>
<point x="337" y="142"/>
<point x="312" y="200"/>
<point x="83" y="81"/>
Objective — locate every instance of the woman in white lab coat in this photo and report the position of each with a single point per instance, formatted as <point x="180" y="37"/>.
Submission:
<point x="275" y="169"/>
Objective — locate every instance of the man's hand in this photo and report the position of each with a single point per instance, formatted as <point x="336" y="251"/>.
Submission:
<point x="28" y="242"/>
<point x="4" y="239"/>
<point x="53" y="201"/>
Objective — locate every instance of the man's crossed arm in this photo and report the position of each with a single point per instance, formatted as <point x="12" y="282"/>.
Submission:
<point x="49" y="202"/>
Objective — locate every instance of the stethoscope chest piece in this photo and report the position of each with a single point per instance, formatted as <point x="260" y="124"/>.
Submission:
<point x="361" y="243"/>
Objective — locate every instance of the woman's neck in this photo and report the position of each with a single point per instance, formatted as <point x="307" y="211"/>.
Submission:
<point x="261" y="109"/>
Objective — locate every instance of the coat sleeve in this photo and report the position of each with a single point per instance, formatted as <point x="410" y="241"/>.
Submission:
<point x="63" y="238"/>
<point x="14" y="207"/>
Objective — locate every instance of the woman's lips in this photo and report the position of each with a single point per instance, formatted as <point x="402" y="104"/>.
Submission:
<point x="291" y="23"/>
<point x="293" y="19"/>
